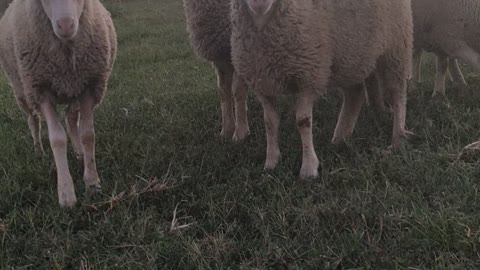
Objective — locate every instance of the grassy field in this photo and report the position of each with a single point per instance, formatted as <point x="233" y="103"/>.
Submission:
<point x="175" y="197"/>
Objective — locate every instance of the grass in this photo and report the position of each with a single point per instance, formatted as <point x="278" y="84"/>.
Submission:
<point x="175" y="197"/>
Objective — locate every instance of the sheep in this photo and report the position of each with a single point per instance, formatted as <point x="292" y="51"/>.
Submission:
<point x="450" y="29"/>
<point x="442" y="64"/>
<point x="307" y="46"/>
<point x="60" y="52"/>
<point x="209" y="28"/>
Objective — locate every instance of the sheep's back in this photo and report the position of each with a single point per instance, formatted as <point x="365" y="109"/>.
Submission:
<point x="440" y="23"/>
<point x="365" y="30"/>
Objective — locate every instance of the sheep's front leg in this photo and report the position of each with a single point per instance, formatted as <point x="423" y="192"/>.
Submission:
<point x="440" y="75"/>
<point x="224" y="80"/>
<point x="87" y="140"/>
<point x="242" y="129"/>
<point x="58" y="143"/>
<point x="272" y="122"/>
<point x="353" y="99"/>
<point x="304" y="119"/>
<point x="71" y="121"/>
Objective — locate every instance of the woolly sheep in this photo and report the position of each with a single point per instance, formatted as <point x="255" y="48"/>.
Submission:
<point x="208" y="24"/>
<point x="450" y="29"/>
<point x="443" y="65"/>
<point x="60" y="52"/>
<point x="309" y="45"/>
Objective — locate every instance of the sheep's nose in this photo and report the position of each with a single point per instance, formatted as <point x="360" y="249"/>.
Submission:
<point x="66" y="27"/>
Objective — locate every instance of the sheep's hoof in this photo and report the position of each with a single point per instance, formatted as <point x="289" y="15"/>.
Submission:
<point x="226" y="135"/>
<point x="92" y="190"/>
<point x="240" y="135"/>
<point x="39" y="152"/>
<point x="67" y="199"/>
<point x="309" y="171"/>
<point x="309" y="168"/>
<point x="399" y="141"/>
<point x="341" y="140"/>
<point x="338" y="141"/>
<point x="271" y="164"/>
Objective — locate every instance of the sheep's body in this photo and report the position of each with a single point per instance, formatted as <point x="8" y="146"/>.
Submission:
<point x="45" y="71"/>
<point x="450" y="29"/>
<point x="311" y="45"/>
<point x="209" y="28"/>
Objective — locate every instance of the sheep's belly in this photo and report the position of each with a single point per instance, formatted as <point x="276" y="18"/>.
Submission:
<point x="67" y="89"/>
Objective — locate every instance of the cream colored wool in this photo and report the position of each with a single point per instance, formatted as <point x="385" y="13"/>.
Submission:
<point x="306" y="46"/>
<point x="209" y="28"/>
<point x="45" y="71"/>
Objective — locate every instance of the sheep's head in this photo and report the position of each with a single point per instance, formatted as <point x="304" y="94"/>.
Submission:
<point x="64" y="16"/>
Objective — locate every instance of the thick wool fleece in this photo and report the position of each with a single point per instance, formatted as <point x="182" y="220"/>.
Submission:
<point x="208" y="23"/>
<point x="308" y="46"/>
<point x="446" y="27"/>
<point x="316" y="43"/>
<point x="40" y="65"/>
<point x="209" y="27"/>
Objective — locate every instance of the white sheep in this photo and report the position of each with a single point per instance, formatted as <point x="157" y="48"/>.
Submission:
<point x="60" y="52"/>
<point x="443" y="66"/>
<point x="451" y="30"/>
<point x="208" y="24"/>
<point x="309" y="45"/>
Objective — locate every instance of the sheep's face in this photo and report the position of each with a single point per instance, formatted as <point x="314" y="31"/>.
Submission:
<point x="260" y="7"/>
<point x="64" y="16"/>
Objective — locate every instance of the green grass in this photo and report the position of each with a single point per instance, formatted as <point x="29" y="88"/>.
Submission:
<point x="416" y="209"/>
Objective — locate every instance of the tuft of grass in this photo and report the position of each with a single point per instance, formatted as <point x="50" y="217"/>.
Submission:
<point x="175" y="197"/>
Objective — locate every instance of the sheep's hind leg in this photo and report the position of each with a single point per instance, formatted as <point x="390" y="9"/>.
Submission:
<point x="224" y="79"/>
<point x="440" y="75"/>
<point x="35" y="125"/>
<point x="304" y="119"/>
<point x="457" y="75"/>
<point x="87" y="140"/>
<point x="468" y="55"/>
<point x="58" y="143"/>
<point x="375" y="94"/>
<point x="353" y="99"/>
<point x="72" y="117"/>
<point x="272" y="122"/>
<point x="394" y="79"/>
<point x="240" y="90"/>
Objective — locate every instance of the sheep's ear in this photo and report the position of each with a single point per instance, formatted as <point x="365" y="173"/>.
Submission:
<point x="260" y="7"/>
